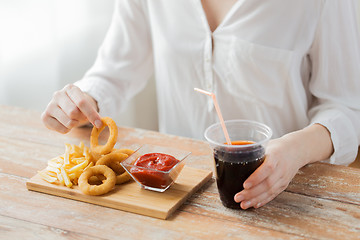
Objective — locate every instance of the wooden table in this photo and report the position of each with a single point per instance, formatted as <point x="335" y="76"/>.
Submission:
<point x="322" y="202"/>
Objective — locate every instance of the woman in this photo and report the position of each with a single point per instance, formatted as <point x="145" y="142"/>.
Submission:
<point x="291" y="64"/>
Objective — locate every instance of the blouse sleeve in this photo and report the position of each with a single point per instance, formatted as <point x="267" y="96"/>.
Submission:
<point x="124" y="62"/>
<point x="335" y="78"/>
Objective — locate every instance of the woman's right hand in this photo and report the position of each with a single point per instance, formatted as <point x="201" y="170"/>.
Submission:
<point x="69" y="108"/>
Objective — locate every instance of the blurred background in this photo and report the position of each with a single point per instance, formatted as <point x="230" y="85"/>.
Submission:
<point x="45" y="44"/>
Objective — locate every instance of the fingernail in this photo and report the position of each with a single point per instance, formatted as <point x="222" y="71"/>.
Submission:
<point x="239" y="198"/>
<point x="258" y="205"/>
<point x="247" y="204"/>
<point x="98" y="123"/>
<point x="247" y="185"/>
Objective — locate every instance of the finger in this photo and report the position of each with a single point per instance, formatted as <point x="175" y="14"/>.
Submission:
<point x="53" y="124"/>
<point x="277" y="185"/>
<point x="255" y="191"/>
<point x="261" y="173"/>
<point x="69" y="108"/>
<point x="263" y="198"/>
<point x="59" y="115"/>
<point x="266" y="201"/>
<point x="54" y="111"/>
<point x="77" y="96"/>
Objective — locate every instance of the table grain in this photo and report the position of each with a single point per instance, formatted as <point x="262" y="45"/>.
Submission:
<point x="322" y="201"/>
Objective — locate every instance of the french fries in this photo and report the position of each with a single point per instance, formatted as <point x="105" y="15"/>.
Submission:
<point x="67" y="168"/>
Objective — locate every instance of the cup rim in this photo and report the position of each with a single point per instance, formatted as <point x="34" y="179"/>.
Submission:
<point x="265" y="127"/>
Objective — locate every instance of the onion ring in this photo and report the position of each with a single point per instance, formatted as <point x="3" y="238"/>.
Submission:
<point x="124" y="150"/>
<point x="94" y="157"/>
<point x="119" y="169"/>
<point x="96" y="180"/>
<point x="113" y="160"/>
<point x="122" y="178"/>
<point x="94" y="138"/>
<point x="107" y="185"/>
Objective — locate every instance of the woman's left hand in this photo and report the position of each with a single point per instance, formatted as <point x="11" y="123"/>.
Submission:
<point x="284" y="157"/>
<point x="272" y="177"/>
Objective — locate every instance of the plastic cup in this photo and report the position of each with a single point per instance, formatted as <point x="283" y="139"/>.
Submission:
<point x="235" y="163"/>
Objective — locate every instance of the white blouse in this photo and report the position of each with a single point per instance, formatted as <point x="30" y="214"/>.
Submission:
<point x="285" y="63"/>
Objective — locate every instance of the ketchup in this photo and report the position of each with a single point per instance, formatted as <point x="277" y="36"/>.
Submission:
<point x="156" y="161"/>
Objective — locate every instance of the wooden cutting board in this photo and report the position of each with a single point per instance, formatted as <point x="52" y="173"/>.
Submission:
<point x="131" y="197"/>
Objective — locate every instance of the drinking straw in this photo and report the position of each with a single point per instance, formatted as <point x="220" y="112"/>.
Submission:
<point x="212" y="95"/>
